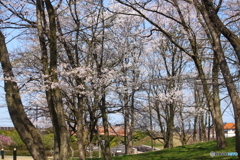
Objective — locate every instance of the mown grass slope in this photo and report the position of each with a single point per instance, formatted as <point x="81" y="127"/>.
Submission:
<point x="157" y="143"/>
<point x="188" y="152"/>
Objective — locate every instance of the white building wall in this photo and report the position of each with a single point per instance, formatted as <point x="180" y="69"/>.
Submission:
<point x="230" y="133"/>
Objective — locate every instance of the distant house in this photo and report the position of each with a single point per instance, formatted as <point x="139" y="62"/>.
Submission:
<point x="7" y="128"/>
<point x="229" y="129"/>
<point x="113" y="131"/>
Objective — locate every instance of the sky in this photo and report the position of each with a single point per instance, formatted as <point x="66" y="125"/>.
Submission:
<point x="5" y="120"/>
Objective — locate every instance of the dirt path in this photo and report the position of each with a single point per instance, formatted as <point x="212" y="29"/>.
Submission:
<point x="18" y="158"/>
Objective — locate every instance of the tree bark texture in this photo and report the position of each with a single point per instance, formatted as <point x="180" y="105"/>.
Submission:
<point x="28" y="133"/>
<point x="54" y="95"/>
<point x="80" y="130"/>
<point x="106" y="146"/>
<point x="231" y="87"/>
<point x="170" y="127"/>
<point x="217" y="120"/>
<point x="215" y="109"/>
<point x="217" y="23"/>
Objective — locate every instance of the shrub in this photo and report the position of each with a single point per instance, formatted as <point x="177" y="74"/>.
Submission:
<point x="16" y="138"/>
<point x="137" y="135"/>
<point x="48" y="141"/>
<point x="5" y="140"/>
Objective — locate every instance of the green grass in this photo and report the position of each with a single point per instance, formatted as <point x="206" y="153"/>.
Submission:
<point x="156" y="143"/>
<point x="147" y="141"/>
<point x="188" y="152"/>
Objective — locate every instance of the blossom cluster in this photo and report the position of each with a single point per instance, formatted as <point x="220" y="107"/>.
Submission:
<point x="6" y="140"/>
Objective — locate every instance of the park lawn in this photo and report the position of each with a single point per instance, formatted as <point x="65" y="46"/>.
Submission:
<point x="194" y="151"/>
<point x="157" y="143"/>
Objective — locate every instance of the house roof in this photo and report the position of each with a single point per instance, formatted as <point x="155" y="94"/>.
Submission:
<point x="113" y="131"/>
<point x="229" y="126"/>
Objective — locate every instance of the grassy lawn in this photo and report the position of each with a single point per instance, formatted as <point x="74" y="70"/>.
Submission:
<point x="156" y="143"/>
<point x="192" y="152"/>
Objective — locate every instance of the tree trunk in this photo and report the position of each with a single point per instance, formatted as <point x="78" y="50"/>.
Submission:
<point x="130" y="138"/>
<point x="170" y="128"/>
<point x="213" y="108"/>
<point x="80" y="130"/>
<point x="150" y="118"/>
<point x="203" y="128"/>
<point x="106" y="146"/>
<point x="28" y="133"/>
<point x="57" y="110"/>
<point x="232" y="90"/>
<point x="212" y="12"/>
<point x="195" y="128"/>
<point x="209" y="127"/>
<point x="127" y="125"/>
<point x="126" y="119"/>
<point x="150" y="108"/>
<point x="80" y="107"/>
<point x="217" y="118"/>
<point x="210" y="17"/>
<point x="183" y="135"/>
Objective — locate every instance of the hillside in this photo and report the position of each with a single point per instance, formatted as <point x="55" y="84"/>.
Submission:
<point x="156" y="143"/>
<point x="194" y="151"/>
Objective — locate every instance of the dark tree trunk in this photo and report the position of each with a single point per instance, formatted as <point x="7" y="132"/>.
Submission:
<point x="106" y="146"/>
<point x="209" y="127"/>
<point x="28" y="133"/>
<point x="80" y="130"/>
<point x="129" y="122"/>
<point x="216" y="44"/>
<point x="151" y="119"/>
<point x="203" y="128"/>
<point x="170" y="127"/>
<point x="212" y="12"/>
<point x="211" y="101"/>
<point x="55" y="96"/>
<point x="74" y="62"/>
<point x="195" y="128"/>
<point x="217" y="118"/>
<point x="215" y="109"/>
<point x="216" y="27"/>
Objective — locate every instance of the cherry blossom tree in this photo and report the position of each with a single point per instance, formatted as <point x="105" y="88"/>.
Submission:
<point x="189" y="30"/>
<point x="207" y="9"/>
<point x="84" y="60"/>
<point x="5" y="140"/>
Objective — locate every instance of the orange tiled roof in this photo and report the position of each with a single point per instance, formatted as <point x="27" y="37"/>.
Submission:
<point x="229" y="126"/>
<point x="113" y="131"/>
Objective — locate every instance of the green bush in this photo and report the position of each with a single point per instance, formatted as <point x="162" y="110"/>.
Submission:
<point x="137" y="135"/>
<point x="19" y="152"/>
<point x="116" y="141"/>
<point x="16" y="138"/>
<point x="48" y="141"/>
